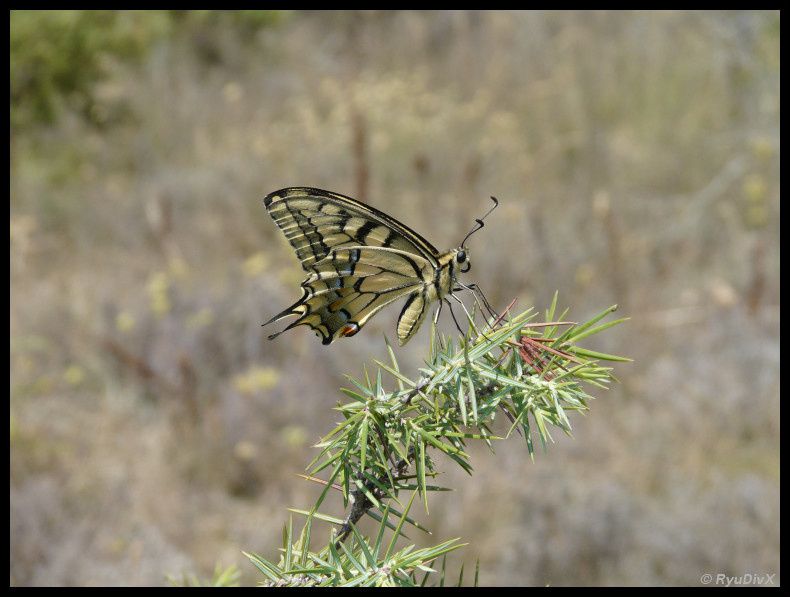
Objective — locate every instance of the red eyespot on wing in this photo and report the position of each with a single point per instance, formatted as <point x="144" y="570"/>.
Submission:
<point x="349" y="329"/>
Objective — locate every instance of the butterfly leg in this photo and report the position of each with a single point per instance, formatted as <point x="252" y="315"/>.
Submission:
<point x="478" y="292"/>
<point x="471" y="319"/>
<point x="457" y="325"/>
<point x="438" y="312"/>
<point x="489" y="308"/>
<point x="460" y="302"/>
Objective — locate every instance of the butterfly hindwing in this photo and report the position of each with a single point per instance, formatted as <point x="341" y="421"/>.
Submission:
<point x="350" y="285"/>
<point x="411" y="316"/>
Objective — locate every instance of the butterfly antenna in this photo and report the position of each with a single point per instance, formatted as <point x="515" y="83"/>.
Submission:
<point x="479" y="221"/>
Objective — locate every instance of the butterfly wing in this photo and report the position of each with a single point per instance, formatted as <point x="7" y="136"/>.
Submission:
<point x="358" y="260"/>
<point x="316" y="221"/>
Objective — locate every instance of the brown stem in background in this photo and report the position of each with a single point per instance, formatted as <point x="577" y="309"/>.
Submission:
<point x="359" y="145"/>
<point x="757" y="284"/>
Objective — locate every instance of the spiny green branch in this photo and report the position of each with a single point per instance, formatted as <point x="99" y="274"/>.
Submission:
<point x="531" y="372"/>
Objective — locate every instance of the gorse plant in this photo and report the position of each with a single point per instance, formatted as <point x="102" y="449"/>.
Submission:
<point x="532" y="373"/>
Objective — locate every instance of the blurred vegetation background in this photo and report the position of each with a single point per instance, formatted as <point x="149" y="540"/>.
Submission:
<point x="154" y="428"/>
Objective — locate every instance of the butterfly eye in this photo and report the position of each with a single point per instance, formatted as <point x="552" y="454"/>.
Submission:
<point x="461" y="256"/>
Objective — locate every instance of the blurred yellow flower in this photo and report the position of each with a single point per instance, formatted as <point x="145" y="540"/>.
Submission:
<point x="245" y="450"/>
<point x="117" y="545"/>
<point x="74" y="375"/>
<point x="42" y="385"/>
<point x="294" y="435"/>
<point x="158" y="293"/>
<point x="256" y="379"/>
<point x="178" y="267"/>
<point x="232" y="92"/>
<point x="200" y="319"/>
<point x="756" y="191"/>
<point x="124" y="321"/>
<point x="255" y="264"/>
<point x="754" y="187"/>
<point x="762" y="147"/>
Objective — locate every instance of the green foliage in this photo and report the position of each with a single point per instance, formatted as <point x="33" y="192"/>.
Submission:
<point x="57" y="57"/>
<point x="360" y="563"/>
<point x="527" y="371"/>
<point x="246" y="21"/>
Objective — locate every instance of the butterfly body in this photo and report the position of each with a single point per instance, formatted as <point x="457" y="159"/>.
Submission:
<point x="358" y="261"/>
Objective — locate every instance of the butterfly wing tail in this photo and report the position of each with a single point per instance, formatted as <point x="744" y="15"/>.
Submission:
<point x="298" y="308"/>
<point x="313" y="311"/>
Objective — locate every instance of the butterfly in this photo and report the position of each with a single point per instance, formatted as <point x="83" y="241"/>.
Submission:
<point x="359" y="260"/>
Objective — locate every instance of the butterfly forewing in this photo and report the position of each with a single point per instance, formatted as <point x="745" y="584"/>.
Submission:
<point x="358" y="260"/>
<point x="314" y="221"/>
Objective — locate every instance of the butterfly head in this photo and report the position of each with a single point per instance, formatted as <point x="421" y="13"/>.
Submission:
<point x="462" y="260"/>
